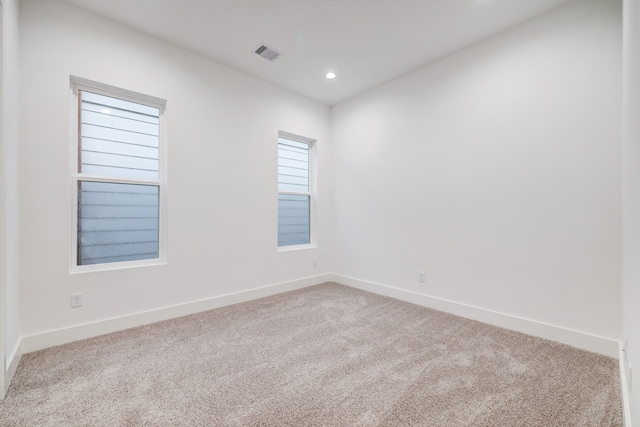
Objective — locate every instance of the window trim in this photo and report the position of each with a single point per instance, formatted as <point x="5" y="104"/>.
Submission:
<point x="312" y="143"/>
<point x="81" y="84"/>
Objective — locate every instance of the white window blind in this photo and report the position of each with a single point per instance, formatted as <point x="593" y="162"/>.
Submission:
<point x="118" y="189"/>
<point x="294" y="196"/>
<point x="117" y="222"/>
<point x="119" y="138"/>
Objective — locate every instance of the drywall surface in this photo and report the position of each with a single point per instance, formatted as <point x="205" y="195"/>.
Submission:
<point x="496" y="171"/>
<point x="10" y="218"/>
<point x="631" y="203"/>
<point x="222" y="171"/>
<point x="3" y="252"/>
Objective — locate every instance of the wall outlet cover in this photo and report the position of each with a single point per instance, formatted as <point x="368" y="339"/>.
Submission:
<point x="76" y="300"/>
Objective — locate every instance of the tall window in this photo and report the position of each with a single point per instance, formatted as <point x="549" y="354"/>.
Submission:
<point x="294" y="191"/>
<point x="117" y="176"/>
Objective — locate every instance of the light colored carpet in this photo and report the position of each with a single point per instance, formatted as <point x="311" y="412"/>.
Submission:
<point x="327" y="355"/>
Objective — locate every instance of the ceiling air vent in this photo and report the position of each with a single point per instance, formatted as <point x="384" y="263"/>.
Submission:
<point x="267" y="52"/>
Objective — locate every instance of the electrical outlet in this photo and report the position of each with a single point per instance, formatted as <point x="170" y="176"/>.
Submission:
<point x="76" y="300"/>
<point x="421" y="276"/>
<point x="315" y="262"/>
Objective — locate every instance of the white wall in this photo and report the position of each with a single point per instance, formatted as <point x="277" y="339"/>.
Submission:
<point x="222" y="188"/>
<point x="631" y="200"/>
<point x="496" y="171"/>
<point x="9" y="217"/>
<point x="3" y="252"/>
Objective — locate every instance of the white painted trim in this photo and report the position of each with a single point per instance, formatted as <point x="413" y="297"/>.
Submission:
<point x="12" y="365"/>
<point x="81" y="84"/>
<point x="596" y="344"/>
<point x="294" y="137"/>
<point x="88" y="330"/>
<point x="124" y="265"/>
<point x="3" y="220"/>
<point x="313" y="189"/>
<point x="291" y="248"/>
<point x="624" y="385"/>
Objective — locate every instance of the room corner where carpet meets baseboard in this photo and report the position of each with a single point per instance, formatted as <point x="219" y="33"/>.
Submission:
<point x="61" y="336"/>
<point x="581" y="340"/>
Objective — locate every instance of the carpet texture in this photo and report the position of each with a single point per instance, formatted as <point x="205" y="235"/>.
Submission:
<point x="327" y="355"/>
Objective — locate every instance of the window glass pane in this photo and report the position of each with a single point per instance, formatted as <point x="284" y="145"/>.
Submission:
<point x="118" y="138"/>
<point x="117" y="222"/>
<point x="293" y="165"/>
<point x="293" y="220"/>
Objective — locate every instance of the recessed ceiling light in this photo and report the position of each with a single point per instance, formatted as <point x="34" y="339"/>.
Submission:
<point x="331" y="75"/>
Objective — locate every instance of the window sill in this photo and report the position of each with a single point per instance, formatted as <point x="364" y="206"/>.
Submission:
<point x="79" y="269"/>
<point x="296" y="247"/>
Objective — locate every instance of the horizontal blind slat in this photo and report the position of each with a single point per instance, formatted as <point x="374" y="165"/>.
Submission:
<point x="121" y="104"/>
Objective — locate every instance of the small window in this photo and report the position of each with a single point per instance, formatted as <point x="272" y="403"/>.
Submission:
<point x="294" y="191"/>
<point x="118" y="177"/>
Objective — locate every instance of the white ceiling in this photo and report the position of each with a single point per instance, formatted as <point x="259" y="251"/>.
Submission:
<point x="365" y="42"/>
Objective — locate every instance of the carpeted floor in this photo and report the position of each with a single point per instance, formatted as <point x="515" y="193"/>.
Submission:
<point x="327" y="355"/>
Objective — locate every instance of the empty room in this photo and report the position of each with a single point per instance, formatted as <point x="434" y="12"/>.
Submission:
<point x="305" y="213"/>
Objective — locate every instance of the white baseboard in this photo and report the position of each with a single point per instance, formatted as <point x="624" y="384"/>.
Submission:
<point x="65" y="335"/>
<point x="12" y="366"/>
<point x="624" y="385"/>
<point x="577" y="339"/>
<point x="596" y="344"/>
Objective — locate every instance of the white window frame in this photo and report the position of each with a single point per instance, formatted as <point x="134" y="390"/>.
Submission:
<point x="81" y="84"/>
<point x="312" y="143"/>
